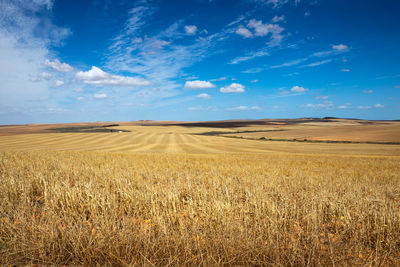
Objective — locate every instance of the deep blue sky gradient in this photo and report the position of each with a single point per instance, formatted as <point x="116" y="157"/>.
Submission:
<point x="359" y="80"/>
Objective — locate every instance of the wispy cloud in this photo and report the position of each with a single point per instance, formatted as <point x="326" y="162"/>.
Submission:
<point x="278" y="18"/>
<point x="58" y="66"/>
<point x="345" y="106"/>
<point x="336" y="50"/>
<point x="368" y="91"/>
<point x="26" y="33"/>
<point x="253" y="70"/>
<point x="242" y="108"/>
<point x="244" y="32"/>
<point x="42" y="76"/>
<point x="219" y="79"/>
<point x="164" y="65"/>
<point x="191" y="29"/>
<point x="364" y="107"/>
<point x="340" y="47"/>
<point x="203" y="108"/>
<point x="388" y="77"/>
<point x="370" y="107"/>
<point x="323" y="105"/>
<point x="204" y="96"/>
<point x="276" y="3"/>
<point x="289" y="63"/>
<point x="255" y="54"/>
<point x="100" y="96"/>
<point x="315" y="64"/>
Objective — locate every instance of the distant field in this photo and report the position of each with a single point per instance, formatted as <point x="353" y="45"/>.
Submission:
<point x="158" y="138"/>
<point x="169" y="193"/>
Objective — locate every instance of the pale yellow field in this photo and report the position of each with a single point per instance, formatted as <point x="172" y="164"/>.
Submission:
<point x="166" y="196"/>
<point x="341" y="130"/>
<point x="161" y="139"/>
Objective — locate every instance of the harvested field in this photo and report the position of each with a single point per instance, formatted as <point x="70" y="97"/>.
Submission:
<point x="168" y="195"/>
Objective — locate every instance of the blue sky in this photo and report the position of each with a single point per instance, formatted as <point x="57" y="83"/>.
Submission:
<point x="103" y="60"/>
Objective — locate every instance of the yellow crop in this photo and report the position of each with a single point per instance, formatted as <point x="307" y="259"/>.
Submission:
<point x="214" y="201"/>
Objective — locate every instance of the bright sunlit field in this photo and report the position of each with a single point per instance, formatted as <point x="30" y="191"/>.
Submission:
<point x="159" y="196"/>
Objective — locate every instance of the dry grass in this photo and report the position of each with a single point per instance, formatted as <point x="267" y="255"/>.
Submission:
<point x="120" y="209"/>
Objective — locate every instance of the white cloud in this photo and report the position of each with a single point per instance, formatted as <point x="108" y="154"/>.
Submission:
<point x="100" y="96"/>
<point x="345" y="70"/>
<point x="255" y="54"/>
<point x="278" y="18"/>
<point x="233" y="88"/>
<point x="58" y="66"/>
<point x="307" y="13"/>
<point x="378" y="106"/>
<point x="204" y="96"/>
<point x="262" y="29"/>
<point x="364" y="107"/>
<point x="368" y="91"/>
<point x="298" y="89"/>
<point x="199" y="84"/>
<point x="59" y="83"/>
<point x="190" y="29"/>
<point x="80" y="98"/>
<point x="97" y="77"/>
<point x="322" y="97"/>
<point x="323" y="105"/>
<point x="340" y="47"/>
<point x="254" y="81"/>
<point x="244" y="32"/>
<point x="239" y="108"/>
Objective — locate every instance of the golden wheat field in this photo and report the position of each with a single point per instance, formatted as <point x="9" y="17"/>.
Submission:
<point x="168" y="196"/>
